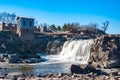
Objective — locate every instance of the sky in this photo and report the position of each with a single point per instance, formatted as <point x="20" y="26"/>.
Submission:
<point x="59" y="12"/>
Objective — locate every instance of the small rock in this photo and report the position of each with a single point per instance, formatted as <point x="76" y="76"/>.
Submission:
<point x="14" y="74"/>
<point x="114" y="73"/>
<point x="60" y="75"/>
<point x="118" y="73"/>
<point x="14" y="77"/>
<point x="21" y="78"/>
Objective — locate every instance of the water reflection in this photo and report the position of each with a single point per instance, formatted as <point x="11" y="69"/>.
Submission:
<point x="52" y="65"/>
<point x="26" y="69"/>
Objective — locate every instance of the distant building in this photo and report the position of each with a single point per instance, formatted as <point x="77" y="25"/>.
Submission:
<point x="24" y="28"/>
<point x="27" y="28"/>
<point x="43" y="29"/>
<point x="24" y="22"/>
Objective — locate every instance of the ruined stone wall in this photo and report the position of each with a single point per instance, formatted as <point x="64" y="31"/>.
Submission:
<point x="1" y="27"/>
<point x="9" y="27"/>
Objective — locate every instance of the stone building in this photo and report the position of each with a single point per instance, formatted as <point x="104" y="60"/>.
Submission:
<point x="24" y="28"/>
<point x="27" y="28"/>
<point x="24" y="22"/>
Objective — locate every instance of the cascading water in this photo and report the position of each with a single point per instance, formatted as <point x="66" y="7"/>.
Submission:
<point x="76" y="50"/>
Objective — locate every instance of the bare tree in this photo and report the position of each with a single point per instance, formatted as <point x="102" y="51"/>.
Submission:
<point x="7" y="17"/>
<point x="105" y="26"/>
<point x="36" y="23"/>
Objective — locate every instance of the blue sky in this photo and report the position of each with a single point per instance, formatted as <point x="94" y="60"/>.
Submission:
<point x="63" y="11"/>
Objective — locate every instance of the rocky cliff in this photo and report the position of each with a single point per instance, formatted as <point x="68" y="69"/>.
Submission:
<point x="105" y="52"/>
<point x="9" y="42"/>
<point x="49" y="44"/>
<point x="13" y="50"/>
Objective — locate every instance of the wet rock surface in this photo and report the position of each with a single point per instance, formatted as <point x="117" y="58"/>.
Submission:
<point x="20" y="58"/>
<point x="82" y="69"/>
<point x="49" y="44"/>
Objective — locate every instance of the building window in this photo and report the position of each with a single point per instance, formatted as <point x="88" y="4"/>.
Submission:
<point x="24" y="23"/>
<point x="6" y="24"/>
<point x="30" y="23"/>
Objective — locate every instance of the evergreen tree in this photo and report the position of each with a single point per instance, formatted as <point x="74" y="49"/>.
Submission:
<point x="64" y="28"/>
<point x="59" y="28"/>
<point x="52" y="27"/>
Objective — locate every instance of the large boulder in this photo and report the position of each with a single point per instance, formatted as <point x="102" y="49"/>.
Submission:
<point x="82" y="69"/>
<point x="105" y="52"/>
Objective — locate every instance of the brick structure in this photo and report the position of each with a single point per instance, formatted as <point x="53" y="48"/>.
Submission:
<point x="10" y="27"/>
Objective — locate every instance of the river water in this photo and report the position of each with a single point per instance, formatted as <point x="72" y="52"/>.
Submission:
<point x="53" y="64"/>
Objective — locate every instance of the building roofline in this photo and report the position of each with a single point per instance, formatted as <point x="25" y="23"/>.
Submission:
<point x="24" y="17"/>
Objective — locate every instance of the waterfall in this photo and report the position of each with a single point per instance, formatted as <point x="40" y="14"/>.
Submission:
<point x="76" y="50"/>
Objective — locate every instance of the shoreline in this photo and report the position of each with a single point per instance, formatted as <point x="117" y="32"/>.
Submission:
<point x="104" y="74"/>
<point x="62" y="76"/>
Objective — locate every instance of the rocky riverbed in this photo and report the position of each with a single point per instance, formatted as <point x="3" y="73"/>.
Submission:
<point x="64" y="76"/>
<point x="61" y="76"/>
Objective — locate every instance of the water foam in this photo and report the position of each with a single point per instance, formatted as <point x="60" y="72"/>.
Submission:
<point x="76" y="50"/>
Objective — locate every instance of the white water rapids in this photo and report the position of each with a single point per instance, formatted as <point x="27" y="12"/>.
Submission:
<point x="76" y="50"/>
